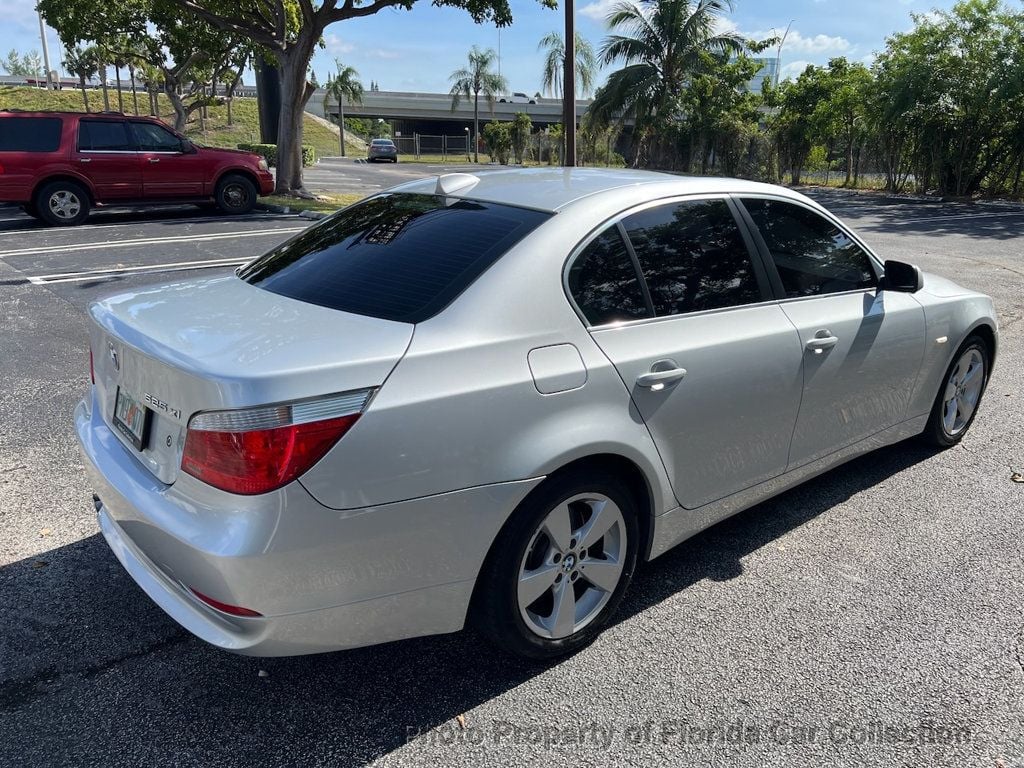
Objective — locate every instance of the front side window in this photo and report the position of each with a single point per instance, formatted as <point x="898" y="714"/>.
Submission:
<point x="103" y="136"/>
<point x="30" y="134"/>
<point x="693" y="257"/>
<point x="153" y="138"/>
<point x="398" y="257"/>
<point x="812" y="255"/>
<point x="604" y="283"/>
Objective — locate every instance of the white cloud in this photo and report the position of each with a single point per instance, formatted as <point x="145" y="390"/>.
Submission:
<point x="793" y="70"/>
<point x="335" y="45"/>
<point x="598" y="9"/>
<point x="815" y="45"/>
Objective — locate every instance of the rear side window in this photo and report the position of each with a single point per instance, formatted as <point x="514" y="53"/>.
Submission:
<point x="812" y="255"/>
<point x="30" y="134"/>
<point x="103" y="136"/>
<point x="693" y="257"/>
<point x="396" y="256"/>
<point x="604" y="283"/>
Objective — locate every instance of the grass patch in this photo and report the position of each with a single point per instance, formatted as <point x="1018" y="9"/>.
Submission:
<point x="213" y="132"/>
<point x="322" y="203"/>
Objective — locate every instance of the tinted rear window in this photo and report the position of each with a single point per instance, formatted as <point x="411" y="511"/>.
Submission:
<point x="103" y="136"/>
<point x="397" y="257"/>
<point x="30" y="134"/>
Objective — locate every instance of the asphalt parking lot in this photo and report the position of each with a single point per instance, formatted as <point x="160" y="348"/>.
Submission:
<point x="874" y="616"/>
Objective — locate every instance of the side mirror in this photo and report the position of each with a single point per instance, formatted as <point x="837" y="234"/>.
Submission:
<point x="187" y="147"/>
<point x="902" y="277"/>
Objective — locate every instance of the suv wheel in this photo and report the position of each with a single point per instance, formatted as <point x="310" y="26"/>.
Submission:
<point x="959" y="395"/>
<point x="559" y="569"/>
<point x="62" y="203"/>
<point x="236" y="194"/>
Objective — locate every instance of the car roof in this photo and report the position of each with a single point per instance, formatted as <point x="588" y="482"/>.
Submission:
<point x="553" y="189"/>
<point x="13" y="112"/>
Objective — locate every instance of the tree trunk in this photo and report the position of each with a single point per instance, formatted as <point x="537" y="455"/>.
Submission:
<point x="294" y="95"/>
<point x="135" y="94"/>
<point x="85" y="93"/>
<point x="476" y="127"/>
<point x="849" y="163"/>
<point x="341" y="123"/>
<point x="103" y="84"/>
<point x="120" y="98"/>
<point x="231" y="119"/>
<point x="180" y="113"/>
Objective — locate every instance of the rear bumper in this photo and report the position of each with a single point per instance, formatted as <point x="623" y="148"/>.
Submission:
<point x="322" y="579"/>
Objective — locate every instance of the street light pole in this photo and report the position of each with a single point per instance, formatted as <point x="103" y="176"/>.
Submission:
<point x="569" y="85"/>
<point x="46" y="47"/>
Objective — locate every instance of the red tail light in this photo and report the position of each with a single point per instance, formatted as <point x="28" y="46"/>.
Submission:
<point x="261" y="449"/>
<point x="234" y="610"/>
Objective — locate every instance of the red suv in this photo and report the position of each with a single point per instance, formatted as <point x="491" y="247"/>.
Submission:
<point x="60" y="164"/>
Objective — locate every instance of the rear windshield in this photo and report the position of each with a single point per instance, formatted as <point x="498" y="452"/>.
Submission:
<point x="30" y="134"/>
<point x="395" y="256"/>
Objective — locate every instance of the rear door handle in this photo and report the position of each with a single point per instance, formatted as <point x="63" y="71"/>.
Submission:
<point x="154" y="159"/>
<point x="822" y="340"/>
<point x="85" y="159"/>
<point x="659" y="379"/>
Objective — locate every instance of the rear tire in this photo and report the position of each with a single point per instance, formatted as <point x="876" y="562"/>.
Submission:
<point x="560" y="567"/>
<point x="959" y="395"/>
<point x="236" y="194"/>
<point x="62" y="203"/>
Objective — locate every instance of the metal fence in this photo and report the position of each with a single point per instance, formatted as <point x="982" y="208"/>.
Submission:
<point x="446" y="148"/>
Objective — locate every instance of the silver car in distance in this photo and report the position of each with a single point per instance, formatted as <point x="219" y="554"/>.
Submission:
<point x="483" y="399"/>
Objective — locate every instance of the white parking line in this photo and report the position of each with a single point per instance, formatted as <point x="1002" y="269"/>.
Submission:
<point x="99" y="274"/>
<point x="43" y="230"/>
<point x="105" y="244"/>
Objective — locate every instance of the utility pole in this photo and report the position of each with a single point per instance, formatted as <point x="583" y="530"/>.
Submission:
<point x="569" y="85"/>
<point x="778" y="55"/>
<point x="46" y="48"/>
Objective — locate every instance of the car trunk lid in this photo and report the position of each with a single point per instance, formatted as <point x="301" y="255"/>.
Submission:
<point x="162" y="354"/>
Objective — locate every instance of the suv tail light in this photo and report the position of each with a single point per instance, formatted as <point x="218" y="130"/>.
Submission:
<point x="257" y="450"/>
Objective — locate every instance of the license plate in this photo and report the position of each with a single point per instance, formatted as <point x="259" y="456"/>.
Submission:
<point x="132" y="418"/>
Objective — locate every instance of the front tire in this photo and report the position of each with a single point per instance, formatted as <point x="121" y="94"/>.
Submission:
<point x="236" y="195"/>
<point x="62" y="203"/>
<point x="560" y="567"/>
<point x="959" y="396"/>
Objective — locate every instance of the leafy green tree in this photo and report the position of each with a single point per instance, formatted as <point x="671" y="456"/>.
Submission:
<point x="519" y="134"/>
<point x="553" y="46"/>
<point x="189" y="54"/>
<point x="343" y="85"/>
<point x="950" y="94"/>
<point x="498" y="137"/>
<point x="842" y="113"/>
<point x="470" y="82"/>
<point x="81" y="62"/>
<point x="22" y="65"/>
<point x="290" y="31"/>
<point x="661" y="43"/>
<point x="795" y="126"/>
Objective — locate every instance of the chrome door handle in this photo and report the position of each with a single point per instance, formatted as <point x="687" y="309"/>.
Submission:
<point x="822" y="340"/>
<point x="85" y="159"/>
<point x="154" y="159"/>
<point x="657" y="380"/>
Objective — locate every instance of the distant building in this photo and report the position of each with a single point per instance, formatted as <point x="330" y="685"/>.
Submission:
<point x="769" y="69"/>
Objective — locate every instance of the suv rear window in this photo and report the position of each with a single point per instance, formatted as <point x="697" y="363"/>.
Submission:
<point x="30" y="134"/>
<point x="398" y="257"/>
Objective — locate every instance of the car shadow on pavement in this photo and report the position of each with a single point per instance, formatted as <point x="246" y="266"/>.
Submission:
<point x="92" y="671"/>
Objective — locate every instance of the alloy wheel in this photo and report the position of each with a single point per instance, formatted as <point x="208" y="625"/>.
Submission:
<point x="963" y="390"/>
<point x="572" y="566"/>
<point x="64" y="204"/>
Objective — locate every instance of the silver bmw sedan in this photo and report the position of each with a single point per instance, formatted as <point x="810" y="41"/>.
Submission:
<point x="482" y="399"/>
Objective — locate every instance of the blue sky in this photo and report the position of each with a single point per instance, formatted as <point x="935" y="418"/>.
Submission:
<point x="417" y="50"/>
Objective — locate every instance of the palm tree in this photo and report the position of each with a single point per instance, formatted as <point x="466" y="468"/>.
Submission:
<point x="81" y="62"/>
<point x="344" y="85"/>
<point x="473" y="80"/>
<point x="661" y="43"/>
<point x="554" y="63"/>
